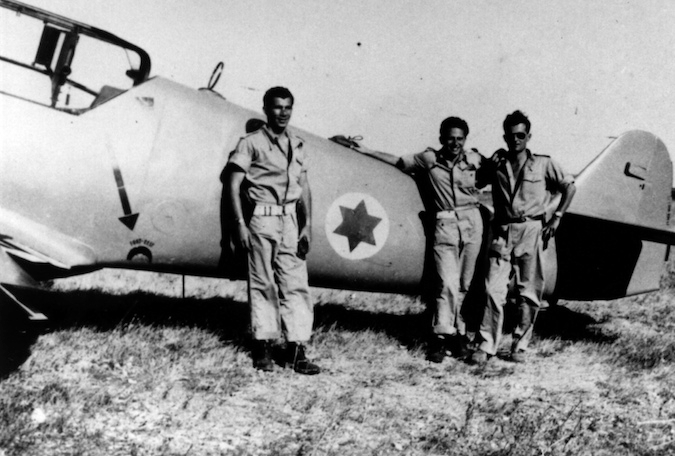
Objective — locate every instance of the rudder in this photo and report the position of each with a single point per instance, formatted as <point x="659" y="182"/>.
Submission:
<point x="629" y="182"/>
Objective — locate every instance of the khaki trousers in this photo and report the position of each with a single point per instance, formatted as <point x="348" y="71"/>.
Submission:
<point x="515" y="251"/>
<point x="457" y="243"/>
<point x="277" y="281"/>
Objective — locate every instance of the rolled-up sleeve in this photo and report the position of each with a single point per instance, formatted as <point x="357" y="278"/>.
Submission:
<point x="556" y="177"/>
<point x="306" y="156"/>
<point x="407" y="163"/>
<point x="412" y="163"/>
<point x="242" y="156"/>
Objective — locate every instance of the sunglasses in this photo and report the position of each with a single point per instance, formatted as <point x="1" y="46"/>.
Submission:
<point x="520" y="135"/>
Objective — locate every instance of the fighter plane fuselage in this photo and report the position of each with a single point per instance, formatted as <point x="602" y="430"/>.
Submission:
<point x="136" y="180"/>
<point x="131" y="178"/>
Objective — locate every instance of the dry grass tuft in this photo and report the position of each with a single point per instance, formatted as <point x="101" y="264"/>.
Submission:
<point x="128" y="366"/>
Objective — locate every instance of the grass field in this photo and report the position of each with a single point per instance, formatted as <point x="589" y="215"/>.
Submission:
<point x="127" y="365"/>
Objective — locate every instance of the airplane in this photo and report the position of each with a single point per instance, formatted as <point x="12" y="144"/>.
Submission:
<point x="104" y="166"/>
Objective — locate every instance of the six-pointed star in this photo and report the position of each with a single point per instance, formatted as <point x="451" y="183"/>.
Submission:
<point x="357" y="225"/>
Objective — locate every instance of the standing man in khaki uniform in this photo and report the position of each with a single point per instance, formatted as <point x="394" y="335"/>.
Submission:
<point x="273" y="162"/>
<point x="450" y="177"/>
<point x="521" y="185"/>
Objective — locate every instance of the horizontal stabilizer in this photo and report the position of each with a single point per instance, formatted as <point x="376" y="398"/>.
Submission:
<point x="25" y="243"/>
<point x="25" y="253"/>
<point x="629" y="183"/>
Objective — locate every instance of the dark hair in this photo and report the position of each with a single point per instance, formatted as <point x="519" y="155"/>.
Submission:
<point x="516" y="118"/>
<point x="453" y="122"/>
<point x="276" y="92"/>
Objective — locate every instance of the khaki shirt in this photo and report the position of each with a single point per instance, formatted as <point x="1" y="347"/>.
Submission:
<point x="525" y="195"/>
<point x="453" y="184"/>
<point x="273" y="176"/>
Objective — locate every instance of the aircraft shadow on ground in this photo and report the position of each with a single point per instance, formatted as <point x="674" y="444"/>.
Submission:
<point x="409" y="329"/>
<point x="556" y="322"/>
<point x="560" y="322"/>
<point x="228" y="319"/>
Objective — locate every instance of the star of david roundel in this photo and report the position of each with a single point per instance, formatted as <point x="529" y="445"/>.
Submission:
<point x="356" y="226"/>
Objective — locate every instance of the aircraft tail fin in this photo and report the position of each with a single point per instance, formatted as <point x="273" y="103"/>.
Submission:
<point x="610" y="243"/>
<point x="629" y="183"/>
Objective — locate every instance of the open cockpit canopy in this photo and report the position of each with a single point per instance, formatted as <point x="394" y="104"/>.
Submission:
<point x="63" y="64"/>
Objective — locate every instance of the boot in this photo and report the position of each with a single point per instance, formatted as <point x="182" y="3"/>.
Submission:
<point x="262" y="355"/>
<point x="460" y="347"/>
<point x="295" y="358"/>
<point x="517" y="355"/>
<point x="436" y="349"/>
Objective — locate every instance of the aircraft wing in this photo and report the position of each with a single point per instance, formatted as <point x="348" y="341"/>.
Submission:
<point x="31" y="251"/>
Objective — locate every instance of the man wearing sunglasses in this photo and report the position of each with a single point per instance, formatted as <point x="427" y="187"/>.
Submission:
<point x="522" y="183"/>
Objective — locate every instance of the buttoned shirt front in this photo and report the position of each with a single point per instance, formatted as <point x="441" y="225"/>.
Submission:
<point x="525" y="195"/>
<point x="454" y="183"/>
<point x="272" y="173"/>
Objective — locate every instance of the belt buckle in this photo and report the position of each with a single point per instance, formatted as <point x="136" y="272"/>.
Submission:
<point x="287" y="209"/>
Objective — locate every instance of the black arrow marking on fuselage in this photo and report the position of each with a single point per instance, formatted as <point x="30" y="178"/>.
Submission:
<point x="129" y="218"/>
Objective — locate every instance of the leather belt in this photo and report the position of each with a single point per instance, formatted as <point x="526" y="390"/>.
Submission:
<point x="523" y="219"/>
<point x="274" y="209"/>
<point x="453" y="213"/>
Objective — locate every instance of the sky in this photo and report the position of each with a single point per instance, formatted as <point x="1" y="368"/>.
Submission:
<point x="392" y="70"/>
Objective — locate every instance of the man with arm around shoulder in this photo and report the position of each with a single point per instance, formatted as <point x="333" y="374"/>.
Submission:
<point x="521" y="184"/>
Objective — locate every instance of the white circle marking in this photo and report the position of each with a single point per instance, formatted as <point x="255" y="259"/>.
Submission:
<point x="360" y="245"/>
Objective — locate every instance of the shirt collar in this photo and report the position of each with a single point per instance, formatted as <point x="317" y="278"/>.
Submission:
<point x="503" y="154"/>
<point x="440" y="153"/>
<point x="529" y="162"/>
<point x="296" y="141"/>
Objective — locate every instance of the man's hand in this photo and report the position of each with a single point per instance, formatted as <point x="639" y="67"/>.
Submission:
<point x="242" y="238"/>
<point x="567" y="191"/>
<point x="549" y="229"/>
<point x="496" y="158"/>
<point x="304" y="240"/>
<point x="357" y="146"/>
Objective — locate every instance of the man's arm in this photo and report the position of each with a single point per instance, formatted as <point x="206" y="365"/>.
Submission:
<point x="304" y="217"/>
<point x="382" y="156"/>
<point x="567" y="191"/>
<point x="485" y="170"/>
<point x="235" y="177"/>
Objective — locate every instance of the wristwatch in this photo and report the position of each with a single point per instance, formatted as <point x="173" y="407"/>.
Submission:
<point x="558" y="214"/>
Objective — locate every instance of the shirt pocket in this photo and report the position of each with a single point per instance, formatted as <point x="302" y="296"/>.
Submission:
<point x="533" y="185"/>
<point x="465" y="177"/>
<point x="297" y="165"/>
<point x="299" y="158"/>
